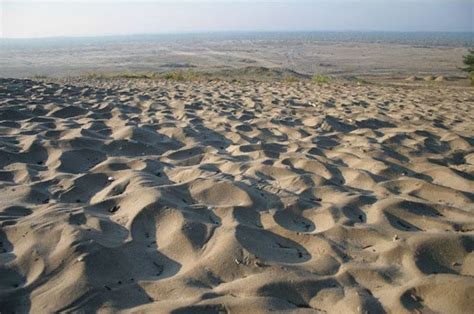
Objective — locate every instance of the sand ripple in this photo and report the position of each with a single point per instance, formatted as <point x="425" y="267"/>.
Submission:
<point x="235" y="197"/>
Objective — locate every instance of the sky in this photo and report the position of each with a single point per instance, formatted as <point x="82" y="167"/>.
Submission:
<point x="37" y="18"/>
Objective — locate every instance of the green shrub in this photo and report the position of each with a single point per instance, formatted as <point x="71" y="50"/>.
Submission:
<point x="321" y="79"/>
<point x="179" y="75"/>
<point x="469" y="62"/>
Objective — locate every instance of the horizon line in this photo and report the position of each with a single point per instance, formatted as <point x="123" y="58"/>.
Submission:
<point x="234" y="32"/>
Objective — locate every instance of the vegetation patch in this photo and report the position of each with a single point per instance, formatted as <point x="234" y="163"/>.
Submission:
<point x="122" y="75"/>
<point x="321" y="79"/>
<point x="39" y="77"/>
<point x="180" y="75"/>
<point x="291" y="79"/>
<point x="175" y="75"/>
<point x="469" y="62"/>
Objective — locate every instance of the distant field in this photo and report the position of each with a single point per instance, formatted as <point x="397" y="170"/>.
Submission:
<point x="329" y="53"/>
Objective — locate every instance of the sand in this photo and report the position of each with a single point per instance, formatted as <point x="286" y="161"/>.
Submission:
<point x="214" y="197"/>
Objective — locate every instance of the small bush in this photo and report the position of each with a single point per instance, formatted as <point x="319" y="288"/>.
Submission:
<point x="179" y="75"/>
<point x="321" y="79"/>
<point x="469" y="62"/>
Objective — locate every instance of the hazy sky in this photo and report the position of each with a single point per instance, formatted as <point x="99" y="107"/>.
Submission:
<point x="36" y="18"/>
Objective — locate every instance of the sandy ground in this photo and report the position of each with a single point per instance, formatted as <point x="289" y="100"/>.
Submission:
<point x="160" y="196"/>
<point x="351" y="56"/>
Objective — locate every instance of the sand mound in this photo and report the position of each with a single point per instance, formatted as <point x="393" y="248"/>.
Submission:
<point x="412" y="78"/>
<point x="160" y="196"/>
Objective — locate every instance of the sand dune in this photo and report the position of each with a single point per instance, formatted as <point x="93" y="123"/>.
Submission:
<point x="161" y="196"/>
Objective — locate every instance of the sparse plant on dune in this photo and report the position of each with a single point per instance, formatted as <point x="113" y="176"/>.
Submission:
<point x="124" y="75"/>
<point x="321" y="79"/>
<point x="39" y="77"/>
<point x="173" y="75"/>
<point x="179" y="75"/>
<point x="469" y="62"/>
<point x="290" y="79"/>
